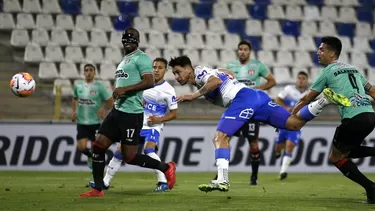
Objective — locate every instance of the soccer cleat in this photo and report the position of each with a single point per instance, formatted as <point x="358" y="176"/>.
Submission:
<point x="93" y="193"/>
<point x="222" y="186"/>
<point x="254" y="180"/>
<point x="170" y="174"/>
<point x="89" y="162"/>
<point x="336" y="98"/>
<point x="92" y="185"/>
<point x="283" y="176"/>
<point x="161" y="187"/>
<point x="370" y="195"/>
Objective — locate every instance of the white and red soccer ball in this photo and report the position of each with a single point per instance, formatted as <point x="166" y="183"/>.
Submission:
<point x="22" y="84"/>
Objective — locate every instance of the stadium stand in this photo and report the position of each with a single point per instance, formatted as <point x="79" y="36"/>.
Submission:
<point x="58" y="37"/>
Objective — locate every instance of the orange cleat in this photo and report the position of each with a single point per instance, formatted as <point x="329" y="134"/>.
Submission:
<point x="170" y="174"/>
<point x="92" y="193"/>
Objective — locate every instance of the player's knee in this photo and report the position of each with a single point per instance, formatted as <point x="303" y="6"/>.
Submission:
<point x="129" y="157"/>
<point x="81" y="148"/>
<point x="220" y="138"/>
<point x="255" y="153"/>
<point x="253" y="142"/>
<point x="98" y="148"/>
<point x="289" y="147"/>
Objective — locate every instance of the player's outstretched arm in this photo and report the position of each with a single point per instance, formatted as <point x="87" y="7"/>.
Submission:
<point x="271" y="82"/>
<point x="306" y="99"/>
<point x="280" y="101"/>
<point x="146" y="83"/>
<point x="168" y="117"/>
<point x="212" y="83"/>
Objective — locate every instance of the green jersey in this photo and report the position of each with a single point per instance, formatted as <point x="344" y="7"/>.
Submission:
<point x="89" y="97"/>
<point x="130" y="72"/>
<point x="346" y="80"/>
<point x="250" y="73"/>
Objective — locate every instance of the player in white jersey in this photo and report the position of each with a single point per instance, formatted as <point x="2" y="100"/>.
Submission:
<point x="287" y="139"/>
<point x="157" y="102"/>
<point x="243" y="104"/>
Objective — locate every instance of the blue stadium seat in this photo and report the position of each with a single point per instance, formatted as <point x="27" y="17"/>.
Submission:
<point x="122" y="22"/>
<point x="128" y="8"/>
<point x="317" y="41"/>
<point x="315" y="59"/>
<point x="365" y="14"/>
<point x="1" y="5"/>
<point x="371" y="59"/>
<point x="291" y="28"/>
<point x="316" y="2"/>
<point x="346" y="29"/>
<point x="203" y="10"/>
<point x="180" y="25"/>
<point x="372" y="43"/>
<point x="262" y="1"/>
<point x="208" y="1"/>
<point x="255" y="42"/>
<point x="236" y="26"/>
<point x="71" y="6"/>
<point x="367" y="2"/>
<point x="258" y="11"/>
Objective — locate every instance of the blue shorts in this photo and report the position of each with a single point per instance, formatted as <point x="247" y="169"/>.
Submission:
<point x="252" y="104"/>
<point x="150" y="135"/>
<point x="290" y="135"/>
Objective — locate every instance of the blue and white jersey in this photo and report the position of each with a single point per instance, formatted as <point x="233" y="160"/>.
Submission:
<point x="225" y="93"/>
<point x="157" y="102"/>
<point x="291" y="95"/>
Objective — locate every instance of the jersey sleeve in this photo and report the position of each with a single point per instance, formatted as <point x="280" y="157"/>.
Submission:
<point x="283" y="93"/>
<point x="75" y="92"/>
<point x="363" y="80"/>
<point x="229" y="66"/>
<point x="320" y="82"/>
<point x="171" y="99"/>
<point x="202" y="74"/>
<point x="263" y="70"/>
<point x="144" y="64"/>
<point x="104" y="94"/>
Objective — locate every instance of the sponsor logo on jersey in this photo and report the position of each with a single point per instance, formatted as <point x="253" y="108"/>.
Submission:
<point x="127" y="61"/>
<point x="120" y="74"/>
<point x="87" y="102"/>
<point x="358" y="101"/>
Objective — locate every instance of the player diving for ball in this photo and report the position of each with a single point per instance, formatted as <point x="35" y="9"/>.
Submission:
<point x="243" y="104"/>
<point x="157" y="101"/>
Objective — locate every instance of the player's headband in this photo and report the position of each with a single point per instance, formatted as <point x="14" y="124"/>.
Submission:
<point x="129" y="38"/>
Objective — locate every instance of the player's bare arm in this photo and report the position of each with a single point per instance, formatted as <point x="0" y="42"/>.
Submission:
<point x="280" y="101"/>
<point x="211" y="84"/>
<point x="370" y="90"/>
<point x="74" y="109"/>
<point x="168" y="117"/>
<point x="271" y="82"/>
<point x="229" y="72"/>
<point x="146" y="83"/>
<point x="306" y="99"/>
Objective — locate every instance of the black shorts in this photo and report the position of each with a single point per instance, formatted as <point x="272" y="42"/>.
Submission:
<point x="121" y="126"/>
<point x="87" y="131"/>
<point x="249" y="131"/>
<point x="351" y="132"/>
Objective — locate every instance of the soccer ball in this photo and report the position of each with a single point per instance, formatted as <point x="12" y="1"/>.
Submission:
<point x="22" y="84"/>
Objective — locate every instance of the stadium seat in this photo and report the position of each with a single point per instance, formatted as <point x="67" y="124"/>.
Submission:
<point x="157" y="39"/>
<point x="291" y="28"/>
<point x="184" y="10"/>
<point x="31" y="6"/>
<point x="231" y="41"/>
<point x="89" y="7"/>
<point x="226" y="56"/>
<point x="363" y="29"/>
<point x="306" y="43"/>
<point x="333" y="2"/>
<point x="181" y="90"/>
<point x="221" y="10"/>
<point x="203" y="10"/>
<point x="11" y="6"/>
<point x="272" y="27"/>
<point x="194" y="41"/>
<point x="112" y="55"/>
<point x="175" y="40"/>
<point x="165" y="9"/>
<point x="33" y="53"/>
<point x="121" y="23"/>
<point x="180" y="25"/>
<point x="142" y="24"/>
<point x="327" y="28"/>
<point x="6" y="21"/>
<point x="296" y="70"/>
<point x="275" y="12"/>
<point x="263" y="2"/>
<point x="330" y="13"/>
<point x="316" y="2"/>
<point x="216" y="25"/>
<point x="98" y="38"/>
<point x="213" y="41"/>
<point x="40" y="37"/>
<point x="371" y="75"/>
<point x="25" y="21"/>
<point x="193" y="55"/>
<point x="255" y="41"/>
<point x="94" y="55"/>
<point x="51" y="6"/>
<point x="347" y="15"/>
<point x="59" y="37"/>
<point x="153" y="53"/>
<point x="160" y="24"/>
<point x="19" y="38"/>
<point x="146" y="9"/>
<point x="313" y="73"/>
<point x="311" y="12"/>
<point x="239" y="10"/>
<point x="346" y="29"/>
<point x="72" y="7"/>
<point x="344" y="57"/>
<point x="107" y="71"/>
<point x="279" y="2"/>
<point x="346" y="43"/>
<point x="47" y="70"/>
<point x="209" y="58"/>
<point x="128" y="8"/>
<point x="282" y="75"/>
<point x="266" y="57"/>
<point x="84" y="22"/>
<point x="365" y="14"/>
<point x="309" y="28"/>
<point x="274" y="91"/>
<point x="44" y="21"/>
<point x="53" y="54"/>
<point x="73" y="54"/>
<point x="169" y="75"/>
<point x="115" y="39"/>
<point x="108" y="8"/>
<point x="64" y="22"/>
<point x="169" y="53"/>
<point x="258" y="11"/>
<point x="294" y="13"/>
<point x="104" y="23"/>
<point x="371" y="59"/>
<point x="284" y="58"/>
<point x="302" y="59"/>
<point x="288" y="43"/>
<point x="361" y="44"/>
<point x="197" y="25"/>
<point x="372" y="43"/>
<point x="254" y="27"/>
<point x="143" y="40"/>
<point x="79" y="38"/>
<point x="66" y="87"/>
<point x="270" y="42"/>
<point x="68" y="71"/>
<point x="359" y="60"/>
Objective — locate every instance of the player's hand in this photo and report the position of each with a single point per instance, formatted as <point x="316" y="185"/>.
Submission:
<point x="184" y="98"/>
<point x="101" y="113"/>
<point x="74" y="116"/>
<point x="153" y="120"/>
<point x="118" y="92"/>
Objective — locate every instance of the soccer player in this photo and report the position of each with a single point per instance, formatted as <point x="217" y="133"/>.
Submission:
<point x="250" y="71"/>
<point x="157" y="101"/>
<point x="357" y="120"/>
<point x="242" y="104"/>
<point x="124" y="122"/>
<point x="87" y="112"/>
<point x="287" y="140"/>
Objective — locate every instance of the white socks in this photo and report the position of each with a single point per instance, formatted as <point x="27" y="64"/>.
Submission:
<point x="286" y="162"/>
<point x="159" y="174"/>
<point x="112" y="168"/>
<point x="316" y="107"/>
<point x="222" y="170"/>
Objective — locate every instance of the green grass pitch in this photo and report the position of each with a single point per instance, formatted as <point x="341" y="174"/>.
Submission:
<point x="49" y="191"/>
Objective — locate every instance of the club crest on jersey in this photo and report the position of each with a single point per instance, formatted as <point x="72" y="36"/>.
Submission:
<point x="127" y="61"/>
<point x="92" y="92"/>
<point x="120" y="74"/>
<point x="251" y="72"/>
